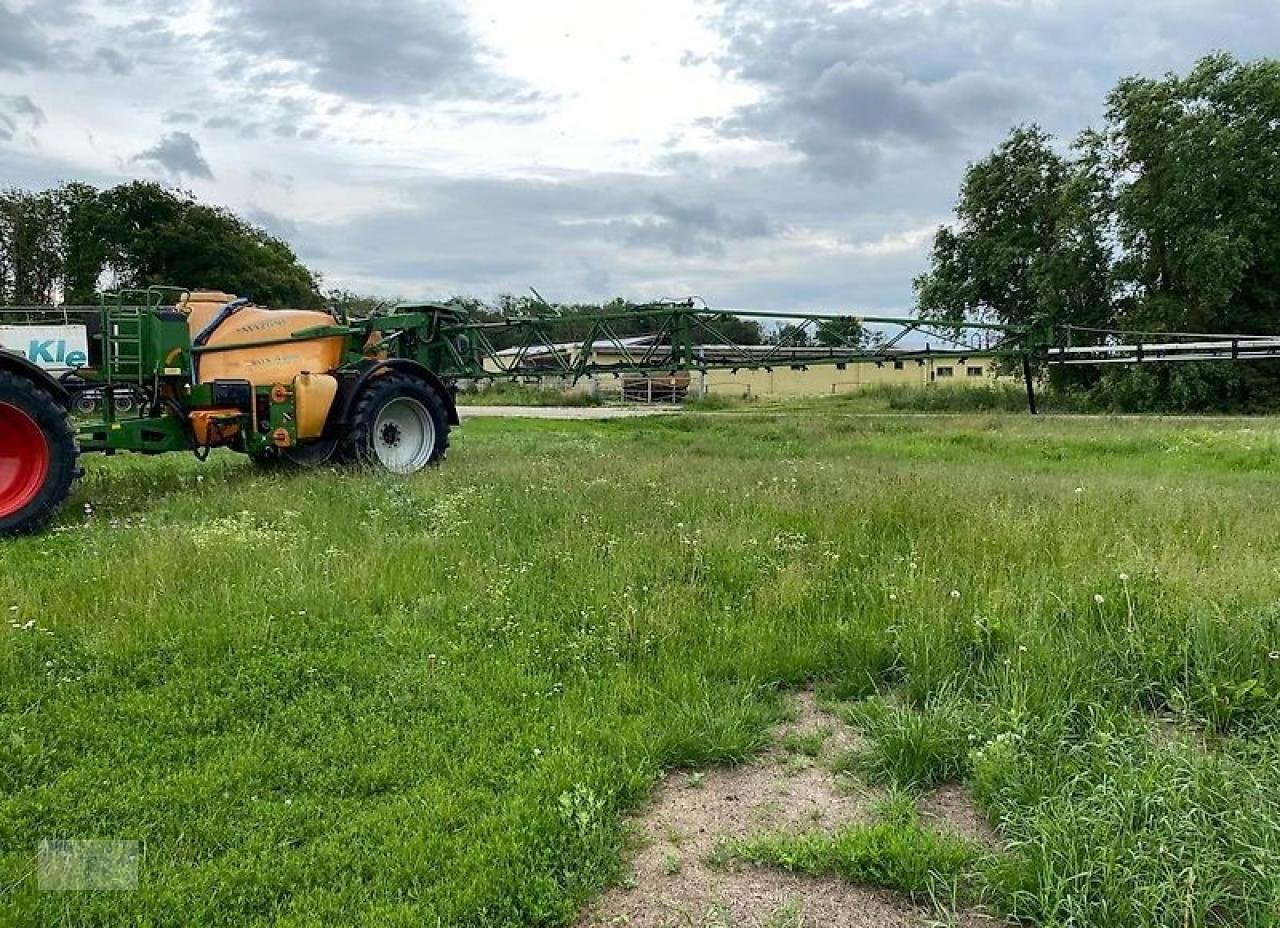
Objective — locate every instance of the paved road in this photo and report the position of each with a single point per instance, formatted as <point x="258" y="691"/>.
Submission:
<point x="565" y="412"/>
<point x="631" y="412"/>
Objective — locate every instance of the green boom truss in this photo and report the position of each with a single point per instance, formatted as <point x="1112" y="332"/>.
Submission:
<point x="656" y="338"/>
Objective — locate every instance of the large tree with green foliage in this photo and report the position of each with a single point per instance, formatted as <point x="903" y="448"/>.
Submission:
<point x="1027" y="245"/>
<point x="1166" y="218"/>
<point x="67" y="242"/>
<point x="1195" y="163"/>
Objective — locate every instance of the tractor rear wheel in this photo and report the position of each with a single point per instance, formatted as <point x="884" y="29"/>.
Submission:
<point x="400" y="425"/>
<point x="37" y="455"/>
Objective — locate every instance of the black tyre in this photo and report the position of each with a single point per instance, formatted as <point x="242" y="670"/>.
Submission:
<point x="399" y="425"/>
<point x="86" y="403"/>
<point x="38" y="455"/>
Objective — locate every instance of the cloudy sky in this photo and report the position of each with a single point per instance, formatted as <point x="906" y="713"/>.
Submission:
<point x="760" y="153"/>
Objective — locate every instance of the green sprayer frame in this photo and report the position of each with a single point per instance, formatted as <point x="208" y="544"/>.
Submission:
<point x="687" y="335"/>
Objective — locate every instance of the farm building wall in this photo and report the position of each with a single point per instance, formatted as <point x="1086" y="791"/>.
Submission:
<point x="815" y="380"/>
<point x="825" y="379"/>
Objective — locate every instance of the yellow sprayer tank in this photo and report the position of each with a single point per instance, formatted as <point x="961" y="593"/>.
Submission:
<point x="264" y="365"/>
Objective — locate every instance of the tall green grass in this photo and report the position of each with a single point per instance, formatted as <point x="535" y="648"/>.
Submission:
<point x="338" y="699"/>
<point x="501" y="393"/>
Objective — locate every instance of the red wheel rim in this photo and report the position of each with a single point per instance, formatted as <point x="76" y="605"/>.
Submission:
<point x="24" y="459"/>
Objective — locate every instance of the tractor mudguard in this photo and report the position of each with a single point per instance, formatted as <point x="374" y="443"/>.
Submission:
<point x="345" y="405"/>
<point x="20" y="366"/>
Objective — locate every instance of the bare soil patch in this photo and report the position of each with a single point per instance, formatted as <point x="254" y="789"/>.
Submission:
<point x="790" y="787"/>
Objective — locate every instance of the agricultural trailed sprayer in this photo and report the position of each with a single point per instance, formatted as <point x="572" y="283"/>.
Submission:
<point x="215" y="371"/>
<point x="177" y="370"/>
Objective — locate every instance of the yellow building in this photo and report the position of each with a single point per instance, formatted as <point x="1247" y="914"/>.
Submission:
<point x="805" y="372"/>
<point x="826" y="379"/>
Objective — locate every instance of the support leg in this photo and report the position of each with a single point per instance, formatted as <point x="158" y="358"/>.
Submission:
<point x="1027" y="379"/>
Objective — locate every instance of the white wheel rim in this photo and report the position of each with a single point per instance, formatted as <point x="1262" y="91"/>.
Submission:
<point x="404" y="436"/>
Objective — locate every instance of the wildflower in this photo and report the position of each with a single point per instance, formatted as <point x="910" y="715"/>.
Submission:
<point x="1124" y="577"/>
<point x="1079" y="489"/>
<point x="1099" y="598"/>
<point x="893" y="597"/>
<point x="1274" y="655"/>
<point x="955" y="594"/>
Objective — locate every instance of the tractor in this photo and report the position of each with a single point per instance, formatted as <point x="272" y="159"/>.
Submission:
<point x="287" y="387"/>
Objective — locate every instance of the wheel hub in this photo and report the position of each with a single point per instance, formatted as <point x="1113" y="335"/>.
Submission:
<point x="405" y="436"/>
<point x="24" y="459"/>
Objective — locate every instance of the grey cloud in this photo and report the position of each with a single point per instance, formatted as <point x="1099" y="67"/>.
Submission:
<point x="113" y="61"/>
<point x="854" y="87"/>
<point x="18" y="113"/>
<point x="178" y="155"/>
<point x="244" y="128"/>
<point x="842" y="92"/>
<point x="380" y="50"/>
<point x="22" y="43"/>
<point x="691" y="228"/>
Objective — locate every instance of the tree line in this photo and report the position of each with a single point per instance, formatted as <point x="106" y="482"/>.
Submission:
<point x="62" y="245"/>
<point x="1166" y="218"/>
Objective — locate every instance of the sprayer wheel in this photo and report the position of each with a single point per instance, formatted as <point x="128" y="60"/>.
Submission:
<point x="400" y="425"/>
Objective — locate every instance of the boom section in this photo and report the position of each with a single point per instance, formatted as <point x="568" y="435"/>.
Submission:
<point x="686" y="335"/>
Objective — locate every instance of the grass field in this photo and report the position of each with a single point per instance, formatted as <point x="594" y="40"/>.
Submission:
<point x="325" y="699"/>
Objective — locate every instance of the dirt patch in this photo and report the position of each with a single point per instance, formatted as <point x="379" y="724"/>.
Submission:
<point x="1169" y="732"/>
<point x="951" y="808"/>
<point x="789" y="788"/>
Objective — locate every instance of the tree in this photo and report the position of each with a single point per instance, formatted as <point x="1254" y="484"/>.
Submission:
<point x="792" y="335"/>
<point x="30" y="242"/>
<point x="82" y="218"/>
<point x="1196" y="165"/>
<point x="1165" y="219"/>
<point x="347" y="303"/>
<point x="845" y="332"/>
<point x="161" y="236"/>
<point x="1027" y="247"/>
<point x="64" y="243"/>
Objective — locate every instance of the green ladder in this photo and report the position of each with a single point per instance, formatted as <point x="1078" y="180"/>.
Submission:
<point x="122" y="344"/>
